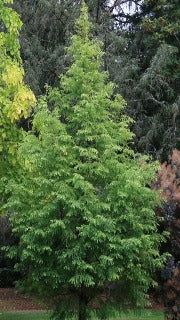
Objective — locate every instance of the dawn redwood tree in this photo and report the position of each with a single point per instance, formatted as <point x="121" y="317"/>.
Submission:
<point x="82" y="206"/>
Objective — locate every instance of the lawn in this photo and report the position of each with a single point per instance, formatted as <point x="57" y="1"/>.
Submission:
<point x="147" y="315"/>
<point x="24" y="316"/>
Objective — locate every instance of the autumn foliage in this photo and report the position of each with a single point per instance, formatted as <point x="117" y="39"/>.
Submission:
<point x="169" y="178"/>
<point x="169" y="183"/>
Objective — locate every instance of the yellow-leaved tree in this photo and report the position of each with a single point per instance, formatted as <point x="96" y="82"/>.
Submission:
<point x="16" y="99"/>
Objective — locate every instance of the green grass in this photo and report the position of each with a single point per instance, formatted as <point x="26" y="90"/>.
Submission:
<point x="146" y="315"/>
<point x="24" y="316"/>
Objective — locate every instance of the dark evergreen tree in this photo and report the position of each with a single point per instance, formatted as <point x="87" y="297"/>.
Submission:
<point x="158" y="88"/>
<point x="161" y="21"/>
<point x="46" y="29"/>
<point x="147" y="74"/>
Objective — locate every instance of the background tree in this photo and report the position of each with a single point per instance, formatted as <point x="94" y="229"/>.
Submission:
<point x="162" y="25"/>
<point x="82" y="206"/>
<point x="16" y="102"/>
<point x="46" y="30"/>
<point x="169" y="278"/>
<point x="46" y="33"/>
<point x="148" y="76"/>
<point x="158" y="86"/>
<point x="16" y="99"/>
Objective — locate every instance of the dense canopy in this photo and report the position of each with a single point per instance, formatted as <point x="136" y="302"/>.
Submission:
<point x="78" y="181"/>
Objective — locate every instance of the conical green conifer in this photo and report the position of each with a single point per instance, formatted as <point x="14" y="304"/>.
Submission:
<point x="83" y="208"/>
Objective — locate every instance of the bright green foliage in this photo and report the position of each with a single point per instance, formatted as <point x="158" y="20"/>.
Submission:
<point x="83" y="208"/>
<point x="16" y="99"/>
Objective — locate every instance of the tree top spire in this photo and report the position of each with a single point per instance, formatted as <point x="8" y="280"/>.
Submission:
<point x="83" y="25"/>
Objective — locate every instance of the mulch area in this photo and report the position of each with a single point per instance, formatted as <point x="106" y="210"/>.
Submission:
<point x="12" y="300"/>
<point x="156" y="305"/>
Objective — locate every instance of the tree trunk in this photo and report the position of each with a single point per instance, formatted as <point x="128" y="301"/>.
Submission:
<point x="97" y="12"/>
<point x="82" y="308"/>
